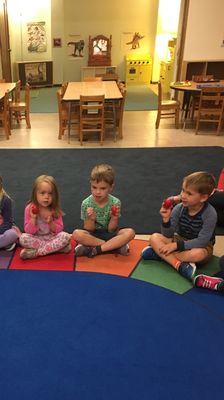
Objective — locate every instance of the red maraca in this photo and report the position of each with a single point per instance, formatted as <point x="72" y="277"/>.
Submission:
<point x="35" y="209"/>
<point x="114" y="210"/>
<point x="168" y="203"/>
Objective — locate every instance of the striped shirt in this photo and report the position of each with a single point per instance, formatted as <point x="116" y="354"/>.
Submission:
<point x="197" y="231"/>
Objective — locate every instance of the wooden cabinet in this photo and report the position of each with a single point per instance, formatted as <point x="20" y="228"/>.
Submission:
<point x="191" y="68"/>
<point x="36" y="73"/>
<point x="166" y="75"/>
<point x="107" y="72"/>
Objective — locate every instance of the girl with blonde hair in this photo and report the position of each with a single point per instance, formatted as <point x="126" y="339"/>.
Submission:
<point x="43" y="224"/>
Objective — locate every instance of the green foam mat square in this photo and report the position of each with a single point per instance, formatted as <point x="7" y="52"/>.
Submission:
<point x="162" y="274"/>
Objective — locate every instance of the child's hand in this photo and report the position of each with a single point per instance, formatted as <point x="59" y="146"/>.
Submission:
<point x="91" y="213"/>
<point x="46" y="215"/>
<point x="34" y="211"/>
<point x="168" y="248"/>
<point x="115" y="211"/>
<point x="165" y="213"/>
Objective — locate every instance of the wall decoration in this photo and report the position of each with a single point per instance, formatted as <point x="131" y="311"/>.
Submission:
<point x="35" y="72"/>
<point x="75" y="45"/>
<point x="134" y="42"/>
<point x="36" y="33"/>
<point x="57" y="42"/>
<point x="131" y="41"/>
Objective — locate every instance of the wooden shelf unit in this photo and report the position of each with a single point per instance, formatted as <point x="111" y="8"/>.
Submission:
<point x="208" y="67"/>
<point x="104" y="71"/>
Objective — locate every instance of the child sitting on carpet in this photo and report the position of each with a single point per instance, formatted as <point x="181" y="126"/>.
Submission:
<point x="43" y="223"/>
<point x="100" y="212"/>
<point x="9" y="233"/>
<point x="187" y="229"/>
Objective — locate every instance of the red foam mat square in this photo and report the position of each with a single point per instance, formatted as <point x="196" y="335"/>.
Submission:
<point x="54" y="262"/>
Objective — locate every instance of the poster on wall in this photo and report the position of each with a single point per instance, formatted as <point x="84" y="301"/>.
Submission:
<point x="131" y="41"/>
<point x="35" y="72"/>
<point x="75" y="46"/>
<point x="37" y="41"/>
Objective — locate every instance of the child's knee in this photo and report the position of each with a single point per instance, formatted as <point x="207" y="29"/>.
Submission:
<point x="23" y="239"/>
<point x="154" y="238"/>
<point x="78" y="235"/>
<point x="130" y="233"/>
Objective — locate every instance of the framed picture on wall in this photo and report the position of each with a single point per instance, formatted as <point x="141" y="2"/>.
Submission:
<point x="57" y="42"/>
<point x="36" y="73"/>
<point x="37" y="39"/>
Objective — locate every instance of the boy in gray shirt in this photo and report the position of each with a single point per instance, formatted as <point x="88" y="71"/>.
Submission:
<point x="188" y="230"/>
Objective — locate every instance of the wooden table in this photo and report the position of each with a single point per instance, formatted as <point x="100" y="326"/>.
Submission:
<point x="6" y="87"/>
<point x="75" y="89"/>
<point x="192" y="88"/>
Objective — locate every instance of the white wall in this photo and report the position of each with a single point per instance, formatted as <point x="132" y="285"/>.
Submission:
<point x="93" y="17"/>
<point x="205" y="30"/>
<point x="20" y="13"/>
<point x="57" y="31"/>
<point x="84" y="18"/>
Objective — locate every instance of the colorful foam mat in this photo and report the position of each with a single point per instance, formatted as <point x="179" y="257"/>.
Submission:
<point x="106" y="263"/>
<point x="5" y="258"/>
<point x="51" y="262"/>
<point x="161" y="274"/>
<point x="114" y="264"/>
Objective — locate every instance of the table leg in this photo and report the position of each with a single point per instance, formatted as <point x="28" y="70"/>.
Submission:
<point x="69" y="120"/>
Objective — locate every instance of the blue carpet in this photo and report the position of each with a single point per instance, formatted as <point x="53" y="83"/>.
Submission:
<point x="90" y="336"/>
<point x="143" y="177"/>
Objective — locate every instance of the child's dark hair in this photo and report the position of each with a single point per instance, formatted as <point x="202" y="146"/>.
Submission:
<point x="202" y="181"/>
<point x="103" y="172"/>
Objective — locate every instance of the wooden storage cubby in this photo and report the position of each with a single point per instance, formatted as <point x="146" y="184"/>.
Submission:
<point x="191" y="68"/>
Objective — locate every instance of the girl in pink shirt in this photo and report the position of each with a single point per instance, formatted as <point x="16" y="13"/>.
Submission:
<point x="43" y="223"/>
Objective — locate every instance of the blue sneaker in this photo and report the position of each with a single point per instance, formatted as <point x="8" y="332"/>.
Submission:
<point x="149" y="254"/>
<point x="187" y="270"/>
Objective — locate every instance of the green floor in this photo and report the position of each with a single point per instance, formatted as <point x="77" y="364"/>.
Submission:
<point x="43" y="100"/>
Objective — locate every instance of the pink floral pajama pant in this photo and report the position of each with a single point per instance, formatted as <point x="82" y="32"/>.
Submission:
<point x="45" y="244"/>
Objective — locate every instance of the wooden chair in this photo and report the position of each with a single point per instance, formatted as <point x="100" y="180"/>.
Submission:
<point x="211" y="106"/>
<point x="114" y="113"/>
<point x="120" y="111"/>
<point x="63" y="115"/>
<point x="202" y="78"/>
<point x="21" y="109"/>
<point x="64" y="86"/>
<point x="167" y="108"/>
<point x="5" y="115"/>
<point x="91" y="116"/>
<point x="195" y="97"/>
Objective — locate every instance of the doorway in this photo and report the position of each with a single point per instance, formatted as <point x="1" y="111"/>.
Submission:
<point x="4" y="41"/>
